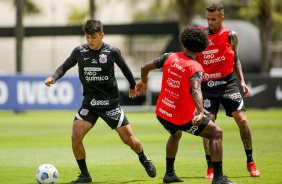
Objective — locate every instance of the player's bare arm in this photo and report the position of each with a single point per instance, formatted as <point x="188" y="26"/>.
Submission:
<point x="237" y="64"/>
<point x="198" y="100"/>
<point x="142" y="84"/>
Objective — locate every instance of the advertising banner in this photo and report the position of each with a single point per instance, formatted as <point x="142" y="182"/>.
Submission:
<point x="20" y="92"/>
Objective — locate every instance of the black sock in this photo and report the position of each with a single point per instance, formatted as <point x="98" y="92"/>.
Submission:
<point x="209" y="161"/>
<point x="83" y="167"/>
<point x="170" y="165"/>
<point x="217" y="169"/>
<point x="142" y="156"/>
<point x="249" y="154"/>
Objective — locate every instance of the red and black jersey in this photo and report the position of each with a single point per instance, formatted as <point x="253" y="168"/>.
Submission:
<point x="218" y="58"/>
<point x="175" y="104"/>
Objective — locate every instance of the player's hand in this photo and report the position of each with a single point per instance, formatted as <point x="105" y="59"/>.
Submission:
<point x="49" y="81"/>
<point x="132" y="93"/>
<point x="196" y="121"/>
<point x="246" y="90"/>
<point x="140" y="86"/>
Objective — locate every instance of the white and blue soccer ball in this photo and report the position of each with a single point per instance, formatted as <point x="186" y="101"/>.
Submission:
<point x="46" y="173"/>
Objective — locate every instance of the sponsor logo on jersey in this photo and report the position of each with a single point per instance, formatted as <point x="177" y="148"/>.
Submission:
<point x="173" y="83"/>
<point x="207" y="103"/>
<point x="168" y="102"/>
<point x="211" y="42"/>
<point x="95" y="102"/>
<point x="173" y="94"/>
<point x="165" y="113"/>
<point x="92" y="69"/>
<point x="192" y="130"/>
<point x="114" y="113"/>
<point x="173" y="73"/>
<point x="235" y="96"/>
<point x="211" y="76"/>
<point x="103" y="58"/>
<point x="175" y="64"/>
<point x="209" y="59"/>
<point x="84" y="112"/>
<point x="216" y="83"/>
<point x="96" y="78"/>
<point x="94" y="61"/>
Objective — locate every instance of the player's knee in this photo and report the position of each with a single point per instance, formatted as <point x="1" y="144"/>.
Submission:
<point x="130" y="141"/>
<point x="75" y="137"/>
<point x="217" y="133"/>
<point x="242" y="122"/>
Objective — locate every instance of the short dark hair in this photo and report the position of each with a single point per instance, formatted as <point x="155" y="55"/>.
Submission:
<point x="194" y="39"/>
<point x="216" y="7"/>
<point x="93" y="26"/>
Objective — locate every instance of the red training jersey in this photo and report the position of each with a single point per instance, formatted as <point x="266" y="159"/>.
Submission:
<point x="175" y="104"/>
<point x="218" y="58"/>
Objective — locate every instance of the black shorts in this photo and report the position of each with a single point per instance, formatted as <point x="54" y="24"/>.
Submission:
<point x="114" y="117"/>
<point x="188" y="127"/>
<point x="222" y="91"/>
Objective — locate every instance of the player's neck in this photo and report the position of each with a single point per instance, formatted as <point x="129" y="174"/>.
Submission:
<point x="190" y="53"/>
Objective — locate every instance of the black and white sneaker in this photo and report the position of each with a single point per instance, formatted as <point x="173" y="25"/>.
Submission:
<point x="171" y="178"/>
<point x="221" y="180"/>
<point x="149" y="167"/>
<point x="83" y="179"/>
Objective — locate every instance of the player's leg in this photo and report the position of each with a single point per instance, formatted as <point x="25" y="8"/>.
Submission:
<point x="117" y="120"/>
<point x="211" y="107"/>
<point x="84" y="120"/>
<point x="214" y="134"/>
<point x="246" y="137"/>
<point x="171" y="150"/>
<point x="79" y="130"/>
<point x="207" y="151"/>
<point x="127" y="137"/>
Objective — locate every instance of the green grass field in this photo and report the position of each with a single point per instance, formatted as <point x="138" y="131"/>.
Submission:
<point x="30" y="139"/>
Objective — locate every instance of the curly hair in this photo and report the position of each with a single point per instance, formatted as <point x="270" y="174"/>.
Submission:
<point x="93" y="26"/>
<point x="194" y="39"/>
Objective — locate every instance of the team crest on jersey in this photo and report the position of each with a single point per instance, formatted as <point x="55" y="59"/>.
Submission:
<point x="84" y="112"/>
<point x="207" y="103"/>
<point x="103" y="58"/>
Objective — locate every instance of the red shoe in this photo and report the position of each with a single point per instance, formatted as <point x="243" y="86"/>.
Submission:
<point x="251" y="167"/>
<point x="210" y="173"/>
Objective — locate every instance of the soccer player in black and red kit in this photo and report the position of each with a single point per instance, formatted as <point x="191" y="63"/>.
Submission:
<point x="219" y="85"/>
<point x="180" y="95"/>
<point x="96" y="61"/>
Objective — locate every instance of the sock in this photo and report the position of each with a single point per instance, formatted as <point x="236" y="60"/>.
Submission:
<point x="142" y="156"/>
<point x="209" y="161"/>
<point x="83" y="167"/>
<point x="217" y="169"/>
<point x="249" y="154"/>
<point x="170" y="165"/>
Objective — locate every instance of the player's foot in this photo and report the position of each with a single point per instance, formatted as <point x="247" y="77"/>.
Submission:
<point x="149" y="167"/>
<point x="222" y="180"/>
<point x="251" y="167"/>
<point x="210" y="173"/>
<point x="171" y="178"/>
<point x="83" y="179"/>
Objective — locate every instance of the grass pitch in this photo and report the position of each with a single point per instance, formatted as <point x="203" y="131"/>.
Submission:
<point x="30" y="139"/>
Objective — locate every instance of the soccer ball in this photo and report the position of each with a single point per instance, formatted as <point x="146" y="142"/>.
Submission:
<point x="46" y="173"/>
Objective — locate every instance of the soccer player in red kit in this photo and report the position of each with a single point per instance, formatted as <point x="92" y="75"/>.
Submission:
<point x="179" y="96"/>
<point x="219" y="84"/>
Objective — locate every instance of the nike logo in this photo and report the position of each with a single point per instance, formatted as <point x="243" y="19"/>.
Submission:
<point x="278" y="93"/>
<point x="256" y="90"/>
<point x="86" y="58"/>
